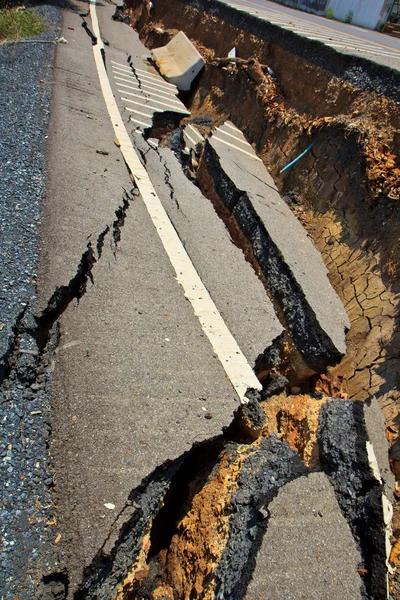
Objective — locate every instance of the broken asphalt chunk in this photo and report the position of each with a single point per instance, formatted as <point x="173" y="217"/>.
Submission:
<point x="292" y="268"/>
<point x="179" y="61"/>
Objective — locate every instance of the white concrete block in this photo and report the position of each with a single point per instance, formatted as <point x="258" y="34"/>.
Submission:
<point x="179" y="61"/>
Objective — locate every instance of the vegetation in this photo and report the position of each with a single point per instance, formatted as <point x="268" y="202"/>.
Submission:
<point x="18" y="23"/>
<point x="348" y="16"/>
<point x="329" y="13"/>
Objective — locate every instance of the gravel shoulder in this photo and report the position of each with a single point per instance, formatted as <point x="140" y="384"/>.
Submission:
<point x="26" y="73"/>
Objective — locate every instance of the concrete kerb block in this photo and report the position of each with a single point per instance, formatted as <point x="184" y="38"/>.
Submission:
<point x="178" y="62"/>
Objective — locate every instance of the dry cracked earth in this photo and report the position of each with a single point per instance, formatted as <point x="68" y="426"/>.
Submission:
<point x="293" y="494"/>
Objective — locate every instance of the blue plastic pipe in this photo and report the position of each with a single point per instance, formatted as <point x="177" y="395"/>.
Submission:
<point x="296" y="159"/>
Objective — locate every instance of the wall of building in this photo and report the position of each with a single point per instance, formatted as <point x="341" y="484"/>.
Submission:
<point x="372" y="14"/>
<point x="366" y="13"/>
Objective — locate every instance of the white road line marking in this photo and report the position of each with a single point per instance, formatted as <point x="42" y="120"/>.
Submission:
<point x="156" y="77"/>
<point x="144" y="87"/>
<point x="235" y="137"/>
<point x="165" y="84"/>
<point x="153" y="108"/>
<point x="224" y="344"/>
<point x="214" y="137"/>
<point x="231" y="126"/>
<point x="185" y="133"/>
<point x="121" y="65"/>
<point x="145" y="84"/>
<point x="164" y="104"/>
<point x="194" y="132"/>
<point x="147" y="80"/>
<point x="140" y="122"/>
<point x="147" y="96"/>
<point x="137" y="112"/>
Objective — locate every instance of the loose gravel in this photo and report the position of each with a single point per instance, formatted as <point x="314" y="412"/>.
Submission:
<point x="27" y="529"/>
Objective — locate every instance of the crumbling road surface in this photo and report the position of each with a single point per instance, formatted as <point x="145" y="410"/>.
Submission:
<point x="184" y="342"/>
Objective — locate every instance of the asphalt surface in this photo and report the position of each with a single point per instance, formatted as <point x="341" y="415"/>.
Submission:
<point x="136" y="379"/>
<point x="26" y="506"/>
<point x="306" y="529"/>
<point x="344" y="38"/>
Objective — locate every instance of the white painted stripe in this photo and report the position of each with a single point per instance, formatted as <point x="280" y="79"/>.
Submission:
<point x="153" y="108"/>
<point x="235" y="137"/>
<point x="121" y="65"/>
<point x="191" y="140"/>
<point x="231" y="126"/>
<point x="214" y="137"/>
<point x="145" y="84"/>
<point x="140" y="122"/>
<point x="147" y="96"/>
<point x="194" y="132"/>
<point x="224" y="344"/>
<point x="156" y="77"/>
<point x="145" y="87"/>
<point x="152" y="75"/>
<point x="143" y="75"/>
<point x="138" y="112"/>
<point x="159" y="82"/>
<point x="145" y="105"/>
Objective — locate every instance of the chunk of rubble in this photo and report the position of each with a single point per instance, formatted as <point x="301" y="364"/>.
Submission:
<point x="353" y="454"/>
<point x="179" y="61"/>
<point x="293" y="270"/>
<point x="193" y="138"/>
<point x="308" y="550"/>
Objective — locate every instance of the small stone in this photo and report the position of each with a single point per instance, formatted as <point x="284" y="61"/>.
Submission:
<point x="208" y="415"/>
<point x="295" y="390"/>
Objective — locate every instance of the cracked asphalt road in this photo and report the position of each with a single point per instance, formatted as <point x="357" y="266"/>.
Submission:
<point x="110" y="374"/>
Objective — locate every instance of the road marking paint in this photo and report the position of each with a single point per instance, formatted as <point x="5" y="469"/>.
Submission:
<point x="222" y="341"/>
<point x="145" y="87"/>
<point x="171" y="108"/>
<point x="151" y="97"/>
<point x="191" y="140"/>
<point x="194" y="132"/>
<point x="140" y="122"/>
<point x="137" y="112"/>
<point x="158" y="82"/>
<point x="143" y="84"/>
<point x="143" y="75"/>
<point x="126" y="66"/>
<point x="232" y="126"/>
<point x="153" y="108"/>
<point x="147" y="73"/>
<point x="235" y="137"/>
<point x="157" y="77"/>
<point x="214" y="137"/>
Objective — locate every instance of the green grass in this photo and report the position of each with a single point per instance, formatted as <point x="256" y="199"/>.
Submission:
<point x="16" y="24"/>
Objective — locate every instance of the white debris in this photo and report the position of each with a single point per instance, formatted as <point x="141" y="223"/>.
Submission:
<point x="109" y="505"/>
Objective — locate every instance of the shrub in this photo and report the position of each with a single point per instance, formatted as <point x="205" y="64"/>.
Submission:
<point x="329" y="13"/>
<point x="348" y="16"/>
